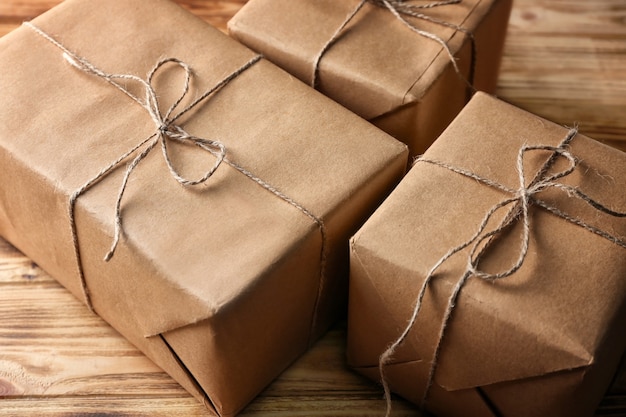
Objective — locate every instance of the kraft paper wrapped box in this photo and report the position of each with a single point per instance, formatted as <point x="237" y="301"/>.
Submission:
<point x="542" y="339"/>
<point x="223" y="283"/>
<point x="378" y="67"/>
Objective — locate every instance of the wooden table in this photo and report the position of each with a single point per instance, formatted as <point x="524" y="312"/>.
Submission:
<point x="564" y="59"/>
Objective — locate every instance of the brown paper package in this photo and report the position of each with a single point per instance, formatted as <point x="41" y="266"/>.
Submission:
<point x="544" y="341"/>
<point x="402" y="82"/>
<point x="220" y="284"/>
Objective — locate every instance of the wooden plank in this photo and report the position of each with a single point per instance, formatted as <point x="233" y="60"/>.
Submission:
<point x="17" y="10"/>
<point x="216" y="12"/>
<point x="564" y="60"/>
<point x="52" y="345"/>
<point x="333" y="405"/>
<point x="14" y="12"/>
<point x="16" y="267"/>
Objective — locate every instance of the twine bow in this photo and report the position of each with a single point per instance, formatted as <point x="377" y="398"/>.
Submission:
<point x="519" y="203"/>
<point x="402" y="9"/>
<point x="167" y="130"/>
<point x="165" y="127"/>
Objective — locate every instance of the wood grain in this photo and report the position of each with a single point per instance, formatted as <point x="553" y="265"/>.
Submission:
<point x="564" y="60"/>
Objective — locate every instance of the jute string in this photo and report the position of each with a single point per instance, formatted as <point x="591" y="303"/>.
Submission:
<point x="402" y="9"/>
<point x="166" y="129"/>
<point x="518" y="204"/>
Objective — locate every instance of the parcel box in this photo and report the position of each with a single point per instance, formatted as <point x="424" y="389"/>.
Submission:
<point x="234" y="209"/>
<point x="537" y="326"/>
<point x="391" y="70"/>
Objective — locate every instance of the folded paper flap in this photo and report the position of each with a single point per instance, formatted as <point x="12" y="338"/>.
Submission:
<point x="481" y="347"/>
<point x="375" y="50"/>
<point x="385" y="305"/>
<point x="501" y="351"/>
<point x="188" y="276"/>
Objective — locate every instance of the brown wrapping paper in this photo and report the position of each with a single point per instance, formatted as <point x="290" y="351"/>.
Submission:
<point x="378" y="68"/>
<point x="544" y="341"/>
<point x="221" y="284"/>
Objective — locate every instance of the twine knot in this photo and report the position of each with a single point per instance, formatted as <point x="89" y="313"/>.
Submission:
<point x="402" y="9"/>
<point x="165" y="128"/>
<point x="165" y="123"/>
<point x="518" y="204"/>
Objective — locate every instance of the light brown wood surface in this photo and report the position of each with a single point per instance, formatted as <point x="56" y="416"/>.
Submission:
<point x="564" y="60"/>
